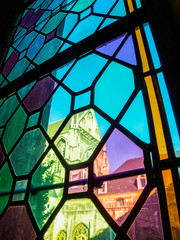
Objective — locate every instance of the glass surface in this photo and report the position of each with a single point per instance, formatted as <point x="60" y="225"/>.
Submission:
<point x="20" y="185"/>
<point x="82" y="100"/>
<point x="86" y="222"/>
<point x="76" y="175"/>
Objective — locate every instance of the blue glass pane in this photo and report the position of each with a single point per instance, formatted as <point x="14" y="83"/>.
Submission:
<point x="84" y="72"/>
<point x="82" y="100"/>
<point x="26" y="41"/>
<point x="114" y="88"/>
<point x="85" y="13"/>
<point x="35" y="46"/>
<point x="103" y="6"/>
<point x="45" y="16"/>
<point x="20" y="34"/>
<point x="152" y="46"/>
<point x="60" y="72"/>
<point x="135" y="119"/>
<point x="85" y="28"/>
<point x="119" y="9"/>
<point x="37" y="3"/>
<point x="170" y="115"/>
<point x="55" y="4"/>
<point x="127" y="52"/>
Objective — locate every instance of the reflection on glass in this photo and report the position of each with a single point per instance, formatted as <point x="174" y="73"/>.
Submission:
<point x="79" y="219"/>
<point x="20" y="185"/>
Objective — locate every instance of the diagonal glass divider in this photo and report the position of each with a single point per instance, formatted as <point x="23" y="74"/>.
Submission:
<point x="97" y="181"/>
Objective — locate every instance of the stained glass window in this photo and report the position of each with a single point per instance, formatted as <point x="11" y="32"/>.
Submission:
<point x="89" y="145"/>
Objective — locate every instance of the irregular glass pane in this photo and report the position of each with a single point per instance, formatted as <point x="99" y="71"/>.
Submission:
<point x="23" y="91"/>
<point x="148" y="223"/>
<point x="86" y="222"/>
<point x="170" y="115"/>
<point x="119" y="9"/>
<point x="81" y="5"/>
<point x="33" y="120"/>
<point x="26" y="41"/>
<point x="138" y="3"/>
<point x="85" y="13"/>
<point x="103" y="6"/>
<point x="28" y="151"/>
<point x="76" y="175"/>
<point x="10" y="63"/>
<point x="6" y="181"/>
<point x="43" y="202"/>
<point x="35" y="46"/>
<point x="20" y="186"/>
<point x="137" y="123"/>
<point x="86" y="69"/>
<point x="82" y="100"/>
<point x="114" y="88"/>
<point x="60" y="72"/>
<point x="107" y="22"/>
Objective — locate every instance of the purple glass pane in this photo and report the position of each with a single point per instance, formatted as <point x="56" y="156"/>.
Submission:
<point x="10" y="63"/>
<point x="26" y="18"/>
<point x="50" y="36"/>
<point x="39" y="94"/>
<point x="34" y="18"/>
<point x="110" y="47"/>
<point x="2" y="157"/>
<point x="127" y="52"/>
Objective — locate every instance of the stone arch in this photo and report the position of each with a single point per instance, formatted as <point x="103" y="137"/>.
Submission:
<point x="81" y="232"/>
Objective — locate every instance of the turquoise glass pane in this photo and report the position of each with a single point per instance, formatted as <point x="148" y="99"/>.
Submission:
<point x="152" y="46"/>
<point x="103" y="124"/>
<point x="107" y="22"/>
<point x="53" y="22"/>
<point x="35" y="46"/>
<point x="15" y="43"/>
<point x="27" y="153"/>
<point x="22" y="54"/>
<point x="6" y="181"/>
<point x="85" y="13"/>
<point x="30" y="67"/>
<point x="38" y="3"/>
<point x="82" y="100"/>
<point x="20" y="185"/>
<point x="137" y="123"/>
<point x="60" y="72"/>
<point x="65" y="46"/>
<point x="82" y="5"/>
<point x="23" y="91"/>
<point x="55" y="4"/>
<point x="26" y="41"/>
<point x="114" y="89"/>
<point x="103" y="6"/>
<point x="84" y="72"/>
<point x="33" y="120"/>
<point x="48" y="51"/>
<point x="20" y="34"/>
<point x="127" y="52"/>
<point x="44" y="17"/>
<point x="170" y="115"/>
<point x="67" y="25"/>
<point x="138" y="3"/>
<point x="119" y="10"/>
<point x="85" y="28"/>
<point x="9" y="52"/>
<point x="18" y="69"/>
<point x="46" y="4"/>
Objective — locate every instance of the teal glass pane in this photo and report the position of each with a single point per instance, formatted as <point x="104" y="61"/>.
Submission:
<point x="20" y="186"/>
<point x="60" y="105"/>
<point x="26" y="41"/>
<point x="138" y="3"/>
<point x="103" y="6"/>
<point x="107" y="22"/>
<point x="6" y="181"/>
<point x="65" y="46"/>
<point x="86" y="13"/>
<point x="60" y="72"/>
<point x="82" y="5"/>
<point x="86" y="222"/>
<point x="48" y="50"/>
<point x="9" y="52"/>
<point x="85" y="28"/>
<point x="1" y="79"/>
<point x="22" y="54"/>
<point x="103" y="124"/>
<point x="137" y="123"/>
<point x="18" y="69"/>
<point x="14" y="129"/>
<point x="28" y="151"/>
<point x="44" y="17"/>
<point x="152" y="46"/>
<point x="30" y="67"/>
<point x="119" y="10"/>
<point x="20" y="34"/>
<point x="114" y="88"/>
<point x="55" y="4"/>
<point x="35" y="46"/>
<point x="86" y="69"/>
<point x="24" y="91"/>
<point x="82" y="100"/>
<point x="7" y="109"/>
<point x="43" y="202"/>
<point x="170" y="115"/>
<point x="33" y="120"/>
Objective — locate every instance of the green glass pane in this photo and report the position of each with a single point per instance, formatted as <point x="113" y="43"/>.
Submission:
<point x="23" y="91"/>
<point x="85" y="28"/>
<point x="33" y="120"/>
<point x="86" y="222"/>
<point x="60" y="72"/>
<point x="119" y="10"/>
<point x="86" y="69"/>
<point x="27" y="152"/>
<point x="114" y="89"/>
<point x="137" y="123"/>
<point x="7" y="109"/>
<point x="20" y="186"/>
<point x="59" y="109"/>
<point x="103" y="6"/>
<point x="18" y="69"/>
<point x="6" y="181"/>
<point x="82" y="5"/>
<point x="82" y="100"/>
<point x="48" y="51"/>
<point x="14" y="129"/>
<point x="53" y="22"/>
<point x="43" y="202"/>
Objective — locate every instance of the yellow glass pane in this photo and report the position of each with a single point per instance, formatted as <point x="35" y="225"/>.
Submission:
<point x="142" y="51"/>
<point x="172" y="204"/>
<point x="156" y="119"/>
<point x="130" y="6"/>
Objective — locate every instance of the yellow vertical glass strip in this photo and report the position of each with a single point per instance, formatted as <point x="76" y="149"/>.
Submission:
<point x="142" y="51"/>
<point x="130" y="5"/>
<point x="156" y="119"/>
<point x="172" y="204"/>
